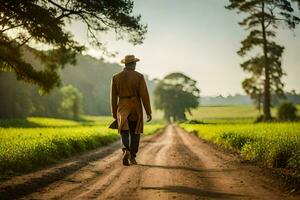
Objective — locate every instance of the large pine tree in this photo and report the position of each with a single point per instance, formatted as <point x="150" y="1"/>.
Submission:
<point x="262" y="19"/>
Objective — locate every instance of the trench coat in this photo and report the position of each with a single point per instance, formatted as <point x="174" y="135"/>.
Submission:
<point x="128" y="93"/>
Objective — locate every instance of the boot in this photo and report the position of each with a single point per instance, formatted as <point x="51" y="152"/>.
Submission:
<point x="133" y="161"/>
<point x="126" y="157"/>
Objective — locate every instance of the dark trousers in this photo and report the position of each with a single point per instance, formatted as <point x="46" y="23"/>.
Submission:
<point x="130" y="140"/>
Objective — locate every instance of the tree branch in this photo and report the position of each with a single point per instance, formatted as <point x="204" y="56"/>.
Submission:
<point x="12" y="27"/>
<point x="25" y="41"/>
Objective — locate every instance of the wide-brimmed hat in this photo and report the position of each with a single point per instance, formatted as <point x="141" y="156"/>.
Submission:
<point x="129" y="59"/>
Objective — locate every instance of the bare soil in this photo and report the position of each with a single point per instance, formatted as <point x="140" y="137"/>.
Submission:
<point x="172" y="165"/>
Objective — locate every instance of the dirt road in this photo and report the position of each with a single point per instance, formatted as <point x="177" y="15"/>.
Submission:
<point x="172" y="165"/>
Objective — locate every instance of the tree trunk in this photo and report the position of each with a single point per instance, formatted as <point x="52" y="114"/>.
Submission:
<point x="75" y="109"/>
<point x="267" y="98"/>
<point x="259" y="101"/>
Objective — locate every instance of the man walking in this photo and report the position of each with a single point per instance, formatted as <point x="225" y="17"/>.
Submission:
<point x="128" y="92"/>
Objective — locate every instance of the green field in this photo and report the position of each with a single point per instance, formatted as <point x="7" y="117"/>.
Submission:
<point x="228" y="114"/>
<point x="271" y="144"/>
<point x="35" y="142"/>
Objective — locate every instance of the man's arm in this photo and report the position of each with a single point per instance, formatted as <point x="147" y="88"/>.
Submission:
<point x="113" y="98"/>
<point x="144" y="95"/>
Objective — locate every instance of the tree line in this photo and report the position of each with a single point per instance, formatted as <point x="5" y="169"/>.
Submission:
<point x="84" y="90"/>
<point x="239" y="99"/>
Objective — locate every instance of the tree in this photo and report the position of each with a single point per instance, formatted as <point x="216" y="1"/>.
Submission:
<point x="15" y="101"/>
<point x="287" y="111"/>
<point x="71" y="104"/>
<point x="175" y="95"/>
<point x="26" y="24"/>
<point x="87" y="72"/>
<point x="46" y="105"/>
<point x="261" y="21"/>
<point x="254" y="85"/>
<point x="254" y="88"/>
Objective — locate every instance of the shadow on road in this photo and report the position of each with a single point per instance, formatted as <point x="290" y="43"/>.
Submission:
<point x="186" y="168"/>
<point x="195" y="192"/>
<point x="33" y="184"/>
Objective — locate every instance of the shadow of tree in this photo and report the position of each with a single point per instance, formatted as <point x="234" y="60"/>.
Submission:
<point x="17" y="191"/>
<point x="25" y="123"/>
<point x="18" y="123"/>
<point x="196" y="192"/>
<point x="186" y="168"/>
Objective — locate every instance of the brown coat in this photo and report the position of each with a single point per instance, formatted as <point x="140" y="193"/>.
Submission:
<point x="128" y="92"/>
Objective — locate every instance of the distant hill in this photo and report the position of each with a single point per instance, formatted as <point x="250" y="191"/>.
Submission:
<point x="226" y="101"/>
<point x="238" y="99"/>
<point x="92" y="77"/>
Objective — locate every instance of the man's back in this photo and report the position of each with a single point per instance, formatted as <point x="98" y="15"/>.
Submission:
<point x="128" y="90"/>
<point x="127" y="83"/>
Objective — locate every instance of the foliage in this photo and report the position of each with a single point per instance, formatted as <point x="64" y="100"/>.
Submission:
<point x="28" y="24"/>
<point x="293" y="97"/>
<point x="21" y="100"/>
<point x="287" y="112"/>
<point x="261" y="21"/>
<point x="44" y="105"/>
<point x="91" y="76"/>
<point x="14" y="97"/>
<point x="271" y="144"/>
<point x="41" y="141"/>
<point x="71" y="104"/>
<point x="175" y="95"/>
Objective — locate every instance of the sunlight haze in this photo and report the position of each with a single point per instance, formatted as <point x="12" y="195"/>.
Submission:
<point x="199" y="38"/>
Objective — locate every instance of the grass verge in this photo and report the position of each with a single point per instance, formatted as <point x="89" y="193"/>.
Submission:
<point x="28" y="144"/>
<point x="274" y="145"/>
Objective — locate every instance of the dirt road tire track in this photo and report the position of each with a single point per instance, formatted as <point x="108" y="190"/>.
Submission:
<point x="172" y="165"/>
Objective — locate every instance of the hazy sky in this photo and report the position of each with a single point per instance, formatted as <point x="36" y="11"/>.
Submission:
<point x="199" y="38"/>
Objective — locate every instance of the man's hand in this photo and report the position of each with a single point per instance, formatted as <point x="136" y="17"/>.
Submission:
<point x="149" y="118"/>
